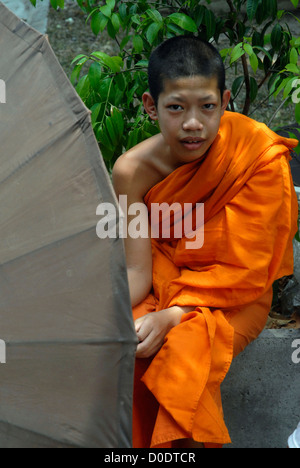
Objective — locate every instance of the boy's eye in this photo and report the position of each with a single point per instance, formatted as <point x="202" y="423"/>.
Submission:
<point x="175" y="107"/>
<point x="209" y="106"/>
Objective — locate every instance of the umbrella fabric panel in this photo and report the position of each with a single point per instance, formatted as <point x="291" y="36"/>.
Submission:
<point x="64" y="301"/>
<point x="66" y="389"/>
<point x="65" y="291"/>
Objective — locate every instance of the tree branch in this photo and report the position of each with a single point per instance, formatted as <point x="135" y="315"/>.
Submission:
<point x="247" y="84"/>
<point x="230" y="4"/>
<point x="277" y="110"/>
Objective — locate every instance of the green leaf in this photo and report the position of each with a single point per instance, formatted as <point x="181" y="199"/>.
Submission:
<point x="133" y="138"/>
<point x="295" y="3"/>
<point x="236" y="85"/>
<point x="224" y="53"/>
<point x="114" y="63"/>
<point x="98" y="23"/>
<point x="111" y="30"/>
<point x="79" y="58"/>
<point x="111" y="4"/>
<point x="154" y="15"/>
<point x="118" y="122"/>
<point x="174" y="29"/>
<point x="95" y="110"/>
<point x="57" y="3"/>
<point x="272" y="83"/>
<point x="115" y="20"/>
<point x="83" y="87"/>
<point x="272" y="8"/>
<point x="257" y="40"/>
<point x="236" y="53"/>
<point x="138" y="44"/>
<point x="103" y="138"/>
<point x="106" y="153"/>
<point x="264" y="51"/>
<point x="121" y="81"/>
<point x="94" y="74"/>
<point x="136" y="19"/>
<point x="253" y="62"/>
<point x="288" y="87"/>
<point x="280" y="13"/>
<point x="276" y="36"/>
<point x="210" y="23"/>
<point x="142" y="63"/>
<point x="75" y="74"/>
<point x="294" y="56"/>
<point x="104" y="88"/>
<point x="198" y="15"/>
<point x="280" y="86"/>
<point x="152" y="32"/>
<point x="106" y="10"/>
<point x="184" y="21"/>
<point x="248" y="49"/>
<point x="253" y="89"/>
<point x="124" y="42"/>
<point x="123" y="11"/>
<point x="251" y="8"/>
<point x="111" y="130"/>
<point x="291" y="67"/>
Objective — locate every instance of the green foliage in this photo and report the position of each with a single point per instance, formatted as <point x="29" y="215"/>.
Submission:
<point x="111" y="87"/>
<point x="54" y="3"/>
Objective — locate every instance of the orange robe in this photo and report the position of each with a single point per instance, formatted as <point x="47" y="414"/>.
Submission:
<point x="250" y="219"/>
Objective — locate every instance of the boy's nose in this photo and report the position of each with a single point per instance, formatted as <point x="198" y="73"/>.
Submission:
<point x="192" y="124"/>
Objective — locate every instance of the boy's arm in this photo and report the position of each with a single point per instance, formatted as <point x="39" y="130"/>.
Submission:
<point x="128" y="180"/>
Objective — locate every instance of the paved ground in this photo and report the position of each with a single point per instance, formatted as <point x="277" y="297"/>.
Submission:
<point x="36" y="17"/>
<point x="261" y="393"/>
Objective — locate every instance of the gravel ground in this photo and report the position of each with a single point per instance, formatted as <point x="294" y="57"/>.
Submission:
<point x="70" y="35"/>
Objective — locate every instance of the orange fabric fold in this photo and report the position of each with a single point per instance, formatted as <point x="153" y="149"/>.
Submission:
<point x="250" y="219"/>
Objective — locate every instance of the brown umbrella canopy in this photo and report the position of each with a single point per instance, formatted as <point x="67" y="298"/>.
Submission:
<point x="65" y="313"/>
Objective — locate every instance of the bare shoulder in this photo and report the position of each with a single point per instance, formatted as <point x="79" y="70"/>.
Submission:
<point x="140" y="168"/>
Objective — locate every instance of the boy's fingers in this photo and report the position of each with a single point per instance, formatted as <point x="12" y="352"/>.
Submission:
<point x="144" y="348"/>
<point x="138" y="323"/>
<point x="142" y="330"/>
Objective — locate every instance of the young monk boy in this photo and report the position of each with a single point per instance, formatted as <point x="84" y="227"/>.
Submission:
<point x="197" y="308"/>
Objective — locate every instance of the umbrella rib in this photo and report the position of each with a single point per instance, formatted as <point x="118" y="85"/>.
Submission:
<point x="95" y="342"/>
<point x="40" y="151"/>
<point x="52" y="244"/>
<point x="39" y="434"/>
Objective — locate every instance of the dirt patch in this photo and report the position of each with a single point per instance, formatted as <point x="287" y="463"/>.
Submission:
<point x="70" y="35"/>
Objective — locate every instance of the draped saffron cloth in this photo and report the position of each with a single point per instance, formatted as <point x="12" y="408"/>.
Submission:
<point x="250" y="219"/>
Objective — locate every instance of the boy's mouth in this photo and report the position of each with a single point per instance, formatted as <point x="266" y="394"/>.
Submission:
<point x="192" y="143"/>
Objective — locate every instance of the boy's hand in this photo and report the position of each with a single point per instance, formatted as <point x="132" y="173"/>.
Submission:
<point x="152" y="328"/>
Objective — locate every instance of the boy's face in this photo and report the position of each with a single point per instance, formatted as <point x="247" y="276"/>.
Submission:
<point x="189" y="111"/>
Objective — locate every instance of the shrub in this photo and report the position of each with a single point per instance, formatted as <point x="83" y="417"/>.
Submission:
<point x="260" y="50"/>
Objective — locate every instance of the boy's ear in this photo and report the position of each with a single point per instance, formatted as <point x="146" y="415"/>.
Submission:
<point x="150" y="106"/>
<point x="225" y="100"/>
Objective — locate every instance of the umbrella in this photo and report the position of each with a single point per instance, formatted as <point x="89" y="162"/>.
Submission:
<point x="64" y="303"/>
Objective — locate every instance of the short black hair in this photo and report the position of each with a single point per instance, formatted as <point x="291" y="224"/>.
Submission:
<point x="181" y="57"/>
